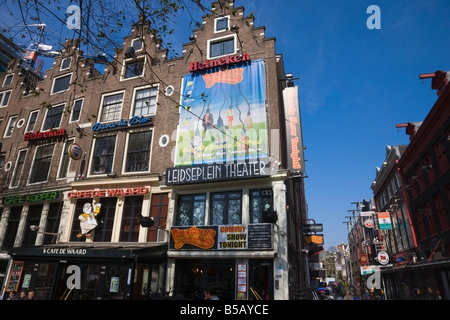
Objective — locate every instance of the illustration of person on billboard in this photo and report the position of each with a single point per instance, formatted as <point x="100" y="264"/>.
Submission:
<point x="87" y="219"/>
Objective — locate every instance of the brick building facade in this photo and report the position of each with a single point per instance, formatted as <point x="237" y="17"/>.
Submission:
<point x="115" y="139"/>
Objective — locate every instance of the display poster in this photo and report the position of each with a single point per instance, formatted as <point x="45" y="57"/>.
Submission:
<point x="223" y="115"/>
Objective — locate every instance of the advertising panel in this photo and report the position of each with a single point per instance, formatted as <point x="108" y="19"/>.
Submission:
<point x="223" y="115"/>
<point x="230" y="237"/>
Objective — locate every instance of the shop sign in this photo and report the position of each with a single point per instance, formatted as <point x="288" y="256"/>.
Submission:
<point x="313" y="239"/>
<point x="44" y="135"/>
<point x="368" y="223"/>
<point x="106" y="193"/>
<point x="136" y="120"/>
<point x="75" y="151"/>
<point x="232" y="237"/>
<point x="35" y="197"/>
<point x="316" y="227"/>
<point x="364" y="259"/>
<point x="400" y="259"/>
<point x="383" y="258"/>
<point x="294" y="143"/>
<point x="217" y="172"/>
<point x="222" y="62"/>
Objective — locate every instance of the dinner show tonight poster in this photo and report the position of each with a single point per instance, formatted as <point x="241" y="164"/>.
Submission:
<point x="223" y="116"/>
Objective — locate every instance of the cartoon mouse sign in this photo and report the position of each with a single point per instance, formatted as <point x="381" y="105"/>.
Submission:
<point x="87" y="219"/>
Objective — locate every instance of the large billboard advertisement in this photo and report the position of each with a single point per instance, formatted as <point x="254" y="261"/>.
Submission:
<point x="223" y="115"/>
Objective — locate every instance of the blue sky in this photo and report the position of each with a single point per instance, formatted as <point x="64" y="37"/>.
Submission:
<point x="355" y="85"/>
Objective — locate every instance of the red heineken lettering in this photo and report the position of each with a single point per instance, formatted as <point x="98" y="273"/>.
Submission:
<point x="228" y="60"/>
<point x="46" y="134"/>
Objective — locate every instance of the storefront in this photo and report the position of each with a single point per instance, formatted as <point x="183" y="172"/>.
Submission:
<point x="87" y="271"/>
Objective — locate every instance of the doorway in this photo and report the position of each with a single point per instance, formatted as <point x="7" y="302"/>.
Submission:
<point x="192" y="277"/>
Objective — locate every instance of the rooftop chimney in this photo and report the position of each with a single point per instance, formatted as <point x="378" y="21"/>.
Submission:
<point x="439" y="82"/>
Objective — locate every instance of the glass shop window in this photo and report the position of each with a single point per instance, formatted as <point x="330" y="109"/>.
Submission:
<point x="191" y="210"/>
<point x="260" y="200"/>
<point x="226" y="208"/>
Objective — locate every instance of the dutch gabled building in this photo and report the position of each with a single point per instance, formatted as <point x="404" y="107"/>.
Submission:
<point x="196" y="164"/>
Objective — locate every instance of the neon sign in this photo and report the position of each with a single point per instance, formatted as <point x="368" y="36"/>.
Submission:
<point x="136" y="120"/>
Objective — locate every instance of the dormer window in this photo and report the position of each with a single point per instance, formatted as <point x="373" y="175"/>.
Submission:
<point x="221" y="24"/>
<point x="65" y="63"/>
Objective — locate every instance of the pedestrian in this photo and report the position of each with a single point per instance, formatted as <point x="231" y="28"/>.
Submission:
<point x="12" y="296"/>
<point x="22" y="295"/>
<point x="31" y="296"/>
<point x="358" y="292"/>
<point x="210" y="294"/>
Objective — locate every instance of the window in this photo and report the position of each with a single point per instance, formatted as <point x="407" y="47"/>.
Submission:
<point x="441" y="156"/>
<point x="221" y="47"/>
<point x="8" y="80"/>
<point x="420" y="178"/>
<point x="129" y="231"/>
<point x="103" y="233"/>
<point x="17" y="175"/>
<point x="65" y="63"/>
<point x="145" y="101"/>
<point x="33" y="218"/>
<point x="138" y="153"/>
<point x="226" y="208"/>
<point x="53" y="118"/>
<point x="221" y="24"/>
<point x="42" y="162"/>
<point x="4" y="98"/>
<point x="103" y="155"/>
<point x="12" y="227"/>
<point x="65" y="159"/>
<point x="53" y="219"/>
<point x="158" y="211"/>
<point x="442" y="213"/>
<point x="260" y="200"/>
<point x="430" y="218"/>
<point x="137" y="44"/>
<point x="76" y="110"/>
<point x="191" y="210"/>
<point x="112" y="107"/>
<point x="10" y="127"/>
<point x="32" y="120"/>
<point x="61" y="84"/>
<point x="429" y="169"/>
<point x="134" y="68"/>
<point x="2" y="161"/>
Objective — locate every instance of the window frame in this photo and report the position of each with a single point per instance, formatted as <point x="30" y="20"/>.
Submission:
<point x="33" y="163"/>
<point x="62" y="63"/>
<point x="132" y="221"/>
<point x="132" y="60"/>
<point x="126" y="151"/>
<point x="91" y="162"/>
<point x="102" y="106"/>
<point x="141" y="41"/>
<point x="8" y="76"/>
<point x="44" y="122"/>
<point x="65" y="156"/>
<point x="216" y="30"/>
<point x="190" y="200"/>
<point x="29" y="119"/>
<point x="2" y="98"/>
<point x="226" y="209"/>
<point x="16" y="166"/>
<point x="60" y="77"/>
<point x="8" y="126"/>
<point x="221" y="39"/>
<point x="73" y="108"/>
<point x="133" y="102"/>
